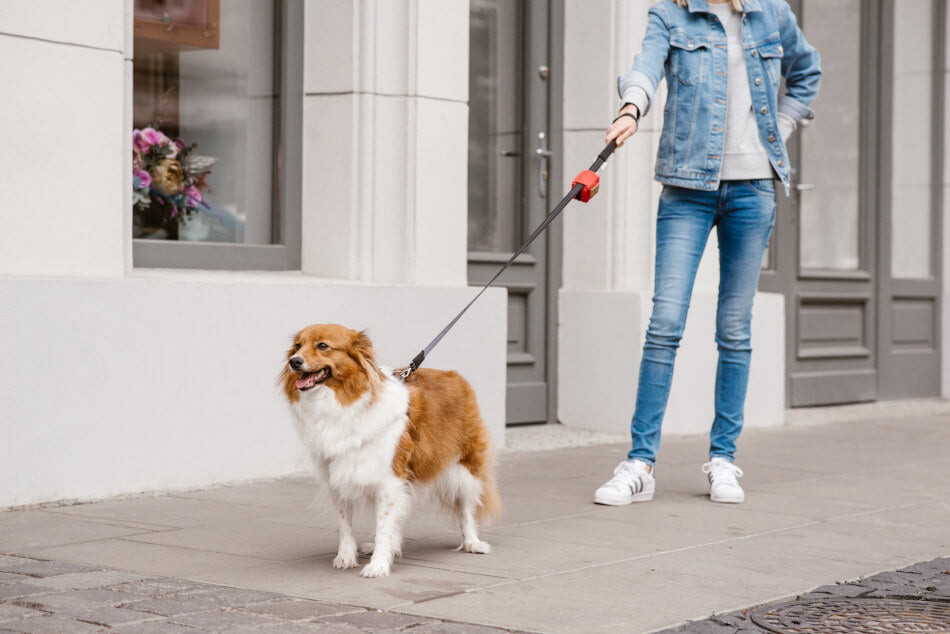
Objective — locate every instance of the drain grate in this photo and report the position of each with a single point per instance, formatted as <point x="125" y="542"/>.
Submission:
<point x="856" y="616"/>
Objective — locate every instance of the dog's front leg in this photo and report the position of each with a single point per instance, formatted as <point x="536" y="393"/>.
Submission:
<point x="392" y="504"/>
<point x="346" y="554"/>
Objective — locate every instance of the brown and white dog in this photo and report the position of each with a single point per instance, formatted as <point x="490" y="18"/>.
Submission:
<point x="376" y="439"/>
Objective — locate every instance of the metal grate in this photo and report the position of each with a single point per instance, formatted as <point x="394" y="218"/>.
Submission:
<point x="855" y="616"/>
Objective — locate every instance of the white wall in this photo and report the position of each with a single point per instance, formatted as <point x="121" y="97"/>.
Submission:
<point x="62" y="180"/>
<point x="609" y="248"/>
<point x="166" y="380"/>
<point x="385" y="125"/>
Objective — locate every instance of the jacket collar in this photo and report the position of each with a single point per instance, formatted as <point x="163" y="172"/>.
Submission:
<point x="702" y="6"/>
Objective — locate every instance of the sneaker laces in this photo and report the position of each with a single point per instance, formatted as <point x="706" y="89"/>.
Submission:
<point x="626" y="475"/>
<point x="722" y="471"/>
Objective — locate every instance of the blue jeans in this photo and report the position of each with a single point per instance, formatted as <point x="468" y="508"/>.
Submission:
<point x="743" y="213"/>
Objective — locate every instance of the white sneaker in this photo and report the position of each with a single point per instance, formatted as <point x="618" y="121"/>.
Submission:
<point x="633" y="481"/>
<point x="723" y="485"/>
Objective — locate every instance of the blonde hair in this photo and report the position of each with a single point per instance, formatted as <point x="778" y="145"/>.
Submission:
<point x="736" y="4"/>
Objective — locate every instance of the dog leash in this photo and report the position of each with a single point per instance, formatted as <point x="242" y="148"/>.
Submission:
<point x="583" y="188"/>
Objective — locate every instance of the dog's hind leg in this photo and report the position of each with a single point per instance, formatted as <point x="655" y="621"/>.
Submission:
<point x="468" y="492"/>
<point x="392" y="505"/>
<point x="346" y="554"/>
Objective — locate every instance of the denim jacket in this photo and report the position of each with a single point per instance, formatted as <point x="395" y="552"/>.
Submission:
<point x="688" y="46"/>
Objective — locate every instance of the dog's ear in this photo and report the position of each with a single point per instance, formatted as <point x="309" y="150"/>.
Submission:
<point x="364" y="354"/>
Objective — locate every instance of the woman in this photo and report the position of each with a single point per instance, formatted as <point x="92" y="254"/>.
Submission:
<point x="722" y="146"/>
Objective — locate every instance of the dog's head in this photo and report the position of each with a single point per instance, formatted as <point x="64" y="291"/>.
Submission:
<point x="330" y="356"/>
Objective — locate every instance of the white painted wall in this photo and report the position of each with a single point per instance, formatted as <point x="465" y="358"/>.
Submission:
<point x="61" y="168"/>
<point x="385" y="123"/>
<point x="165" y="380"/>
<point x="609" y="247"/>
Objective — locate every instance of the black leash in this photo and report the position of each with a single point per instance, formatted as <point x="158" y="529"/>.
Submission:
<point x="583" y="188"/>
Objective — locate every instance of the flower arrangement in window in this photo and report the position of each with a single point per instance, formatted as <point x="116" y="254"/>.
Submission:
<point x="168" y="177"/>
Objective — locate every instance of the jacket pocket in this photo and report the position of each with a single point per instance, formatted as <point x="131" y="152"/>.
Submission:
<point x="688" y="57"/>
<point x="771" y="55"/>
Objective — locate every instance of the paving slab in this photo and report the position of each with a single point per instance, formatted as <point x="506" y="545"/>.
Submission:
<point x="149" y="558"/>
<point x="164" y="511"/>
<point x="27" y="530"/>
<point x="315" y="578"/>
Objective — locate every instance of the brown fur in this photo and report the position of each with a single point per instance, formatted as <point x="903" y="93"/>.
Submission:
<point x="444" y="424"/>
<point x="350" y="357"/>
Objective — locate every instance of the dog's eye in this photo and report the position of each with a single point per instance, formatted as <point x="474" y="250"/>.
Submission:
<point x="296" y="346"/>
<point x="322" y="346"/>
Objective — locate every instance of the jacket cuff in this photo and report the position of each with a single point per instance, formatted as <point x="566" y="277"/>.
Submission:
<point x="794" y="109"/>
<point x="636" y="79"/>
<point x="637" y="97"/>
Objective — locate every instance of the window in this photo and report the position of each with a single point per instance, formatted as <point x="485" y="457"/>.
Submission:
<point x="217" y="100"/>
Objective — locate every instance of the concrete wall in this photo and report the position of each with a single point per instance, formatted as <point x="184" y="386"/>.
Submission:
<point x="609" y="247"/>
<point x="115" y="380"/>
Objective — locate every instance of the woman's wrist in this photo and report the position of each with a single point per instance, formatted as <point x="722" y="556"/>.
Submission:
<point x="630" y="108"/>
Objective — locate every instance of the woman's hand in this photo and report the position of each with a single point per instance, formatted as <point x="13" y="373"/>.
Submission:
<point x="624" y="127"/>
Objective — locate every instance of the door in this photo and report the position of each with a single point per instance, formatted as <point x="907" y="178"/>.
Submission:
<point x="507" y="184"/>
<point x="823" y="256"/>
<point x="856" y="246"/>
<point x="909" y="311"/>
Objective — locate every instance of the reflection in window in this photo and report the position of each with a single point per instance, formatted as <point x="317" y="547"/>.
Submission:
<point x="204" y="114"/>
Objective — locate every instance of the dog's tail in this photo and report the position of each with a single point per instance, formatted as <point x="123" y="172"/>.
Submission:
<point x="489" y="506"/>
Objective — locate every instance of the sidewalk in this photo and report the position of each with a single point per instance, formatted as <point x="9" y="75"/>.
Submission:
<point x="824" y="504"/>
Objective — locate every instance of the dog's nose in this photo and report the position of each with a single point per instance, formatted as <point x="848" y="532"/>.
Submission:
<point x="296" y="363"/>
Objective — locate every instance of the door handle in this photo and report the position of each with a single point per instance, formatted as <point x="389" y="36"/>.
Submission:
<point x="509" y="153"/>
<point x="543" y="154"/>
<point x="804" y="187"/>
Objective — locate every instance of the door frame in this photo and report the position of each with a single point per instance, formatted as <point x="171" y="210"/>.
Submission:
<point x="555" y="232"/>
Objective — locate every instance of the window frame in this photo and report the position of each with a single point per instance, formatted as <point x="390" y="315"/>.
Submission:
<point x="286" y="220"/>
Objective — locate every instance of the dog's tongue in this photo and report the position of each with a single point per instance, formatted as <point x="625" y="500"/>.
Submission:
<point x="307" y="380"/>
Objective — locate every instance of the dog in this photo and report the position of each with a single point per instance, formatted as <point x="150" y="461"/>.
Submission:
<point x="376" y="439"/>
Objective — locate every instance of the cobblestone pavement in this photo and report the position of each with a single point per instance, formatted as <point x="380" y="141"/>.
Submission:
<point x="927" y="581"/>
<point x="39" y="595"/>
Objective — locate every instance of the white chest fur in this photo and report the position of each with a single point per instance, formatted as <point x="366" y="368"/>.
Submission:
<point x="353" y="446"/>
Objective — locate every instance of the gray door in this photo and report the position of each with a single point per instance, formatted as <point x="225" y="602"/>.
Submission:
<point x="507" y="182"/>
<point x="855" y="332"/>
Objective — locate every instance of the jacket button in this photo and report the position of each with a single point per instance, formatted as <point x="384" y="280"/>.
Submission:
<point x="764" y="110"/>
<point x="754" y="52"/>
<point x="781" y="163"/>
<point x="781" y="51"/>
<point x="689" y="44"/>
<point x="771" y="138"/>
<point x="758" y="82"/>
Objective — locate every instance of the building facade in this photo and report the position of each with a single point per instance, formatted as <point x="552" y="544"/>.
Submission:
<point x="185" y="183"/>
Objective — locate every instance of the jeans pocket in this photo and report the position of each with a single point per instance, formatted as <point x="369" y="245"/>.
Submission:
<point x="764" y="186"/>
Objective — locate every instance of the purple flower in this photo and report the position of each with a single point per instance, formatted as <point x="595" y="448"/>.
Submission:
<point x="141" y="179"/>
<point x="146" y="138"/>
<point x="193" y="196"/>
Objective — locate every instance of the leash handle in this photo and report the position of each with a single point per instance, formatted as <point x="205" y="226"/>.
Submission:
<point x="575" y="192"/>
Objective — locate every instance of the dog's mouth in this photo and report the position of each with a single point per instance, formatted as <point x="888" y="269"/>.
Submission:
<point x="310" y="380"/>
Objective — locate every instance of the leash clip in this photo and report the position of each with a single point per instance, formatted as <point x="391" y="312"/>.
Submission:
<point x="405" y="373"/>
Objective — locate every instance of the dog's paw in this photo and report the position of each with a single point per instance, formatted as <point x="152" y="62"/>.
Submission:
<point x="376" y="569"/>
<point x="367" y="548"/>
<point x="479" y="547"/>
<point x="345" y="560"/>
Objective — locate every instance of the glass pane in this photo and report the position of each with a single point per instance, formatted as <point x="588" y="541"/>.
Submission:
<point x="912" y="123"/>
<point x="494" y="125"/>
<point x="204" y="108"/>
<point x="830" y="211"/>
